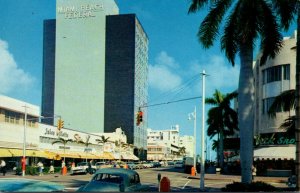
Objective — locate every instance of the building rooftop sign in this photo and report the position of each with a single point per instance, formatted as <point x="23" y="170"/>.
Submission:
<point x="80" y="11"/>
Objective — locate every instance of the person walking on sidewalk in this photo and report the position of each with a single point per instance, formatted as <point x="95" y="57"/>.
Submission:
<point x="3" y="167"/>
<point x="41" y="167"/>
<point x="253" y="172"/>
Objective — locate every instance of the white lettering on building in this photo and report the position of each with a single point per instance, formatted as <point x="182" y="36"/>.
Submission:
<point x="82" y="11"/>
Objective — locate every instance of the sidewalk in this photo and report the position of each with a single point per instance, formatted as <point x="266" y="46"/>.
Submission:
<point x="279" y="182"/>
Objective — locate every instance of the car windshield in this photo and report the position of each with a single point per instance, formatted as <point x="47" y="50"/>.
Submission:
<point x="111" y="178"/>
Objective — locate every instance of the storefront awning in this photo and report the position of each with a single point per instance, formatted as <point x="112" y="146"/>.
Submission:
<point x="10" y="152"/>
<point x="128" y="156"/>
<point x="80" y="155"/>
<point x="275" y="152"/>
<point x="106" y="155"/>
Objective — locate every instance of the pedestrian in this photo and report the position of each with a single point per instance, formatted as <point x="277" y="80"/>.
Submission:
<point x="63" y="164"/>
<point x="3" y="167"/>
<point x="90" y="167"/>
<point x="253" y="172"/>
<point x="41" y="167"/>
<point x="51" y="169"/>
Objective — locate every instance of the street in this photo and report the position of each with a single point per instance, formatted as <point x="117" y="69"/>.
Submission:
<point x="179" y="181"/>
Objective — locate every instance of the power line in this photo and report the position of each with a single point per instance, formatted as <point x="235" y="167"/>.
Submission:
<point x="178" y="89"/>
<point x="165" y="103"/>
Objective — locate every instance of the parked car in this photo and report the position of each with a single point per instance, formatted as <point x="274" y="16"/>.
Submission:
<point x="147" y="165"/>
<point x="139" y="165"/>
<point x="156" y="164"/>
<point x="171" y="163"/>
<point x="83" y="168"/>
<point x="114" y="180"/>
<point x="131" y="165"/>
<point x="28" y="185"/>
<point x="179" y="164"/>
<point x="99" y="164"/>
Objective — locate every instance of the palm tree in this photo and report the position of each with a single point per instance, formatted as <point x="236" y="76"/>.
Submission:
<point x="86" y="144"/>
<point x="64" y="142"/>
<point x="247" y="21"/>
<point x="222" y="120"/>
<point x="102" y="140"/>
<point x="285" y="102"/>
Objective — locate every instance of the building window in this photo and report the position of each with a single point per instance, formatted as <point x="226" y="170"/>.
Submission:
<point x="12" y="117"/>
<point x="286" y="72"/>
<point x="267" y="104"/>
<point x="276" y="73"/>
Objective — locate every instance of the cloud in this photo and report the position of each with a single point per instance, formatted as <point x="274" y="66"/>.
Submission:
<point x="165" y="59"/>
<point x="162" y="75"/>
<point x="221" y="74"/>
<point x="12" y="78"/>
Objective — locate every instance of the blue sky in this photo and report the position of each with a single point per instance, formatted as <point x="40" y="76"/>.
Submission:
<point x="175" y="56"/>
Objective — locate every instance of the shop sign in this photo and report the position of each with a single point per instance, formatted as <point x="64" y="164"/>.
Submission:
<point x="274" y="139"/>
<point x="58" y="133"/>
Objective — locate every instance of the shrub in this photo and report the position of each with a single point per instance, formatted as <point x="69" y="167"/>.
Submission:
<point x="253" y="187"/>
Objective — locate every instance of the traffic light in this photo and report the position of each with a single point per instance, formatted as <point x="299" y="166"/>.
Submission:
<point x="141" y="116"/>
<point x="137" y="119"/>
<point x="60" y="124"/>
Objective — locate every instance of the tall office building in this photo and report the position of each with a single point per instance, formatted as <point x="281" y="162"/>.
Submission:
<point x="73" y="82"/>
<point x="48" y="71"/>
<point x="95" y="69"/>
<point x="126" y="77"/>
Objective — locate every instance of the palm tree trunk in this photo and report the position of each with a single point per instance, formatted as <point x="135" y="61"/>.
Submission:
<point x="218" y="150"/>
<point x="221" y="145"/>
<point x="297" y="97"/>
<point x="245" y="110"/>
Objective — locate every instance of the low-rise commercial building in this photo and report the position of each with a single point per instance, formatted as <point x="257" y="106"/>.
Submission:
<point x="44" y="141"/>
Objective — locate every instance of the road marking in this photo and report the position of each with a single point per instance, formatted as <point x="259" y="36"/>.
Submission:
<point x="186" y="184"/>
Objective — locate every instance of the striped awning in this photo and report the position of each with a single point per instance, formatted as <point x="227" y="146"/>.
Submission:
<point x="275" y="152"/>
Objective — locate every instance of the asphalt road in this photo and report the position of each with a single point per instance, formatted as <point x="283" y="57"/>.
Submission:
<point x="179" y="181"/>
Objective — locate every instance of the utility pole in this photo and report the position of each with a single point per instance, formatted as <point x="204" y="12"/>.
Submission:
<point x="24" y="142"/>
<point x="203" y="133"/>
<point x="195" y="115"/>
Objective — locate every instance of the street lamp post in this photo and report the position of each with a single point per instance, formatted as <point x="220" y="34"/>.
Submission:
<point x="203" y="133"/>
<point x="23" y="161"/>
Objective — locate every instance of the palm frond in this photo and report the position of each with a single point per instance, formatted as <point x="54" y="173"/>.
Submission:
<point x="289" y="125"/>
<point x="287" y="10"/>
<point x="209" y="27"/>
<point x="211" y="101"/>
<point x="196" y="5"/>
<point x="285" y="101"/>
<point x="229" y="41"/>
<point x="271" y="43"/>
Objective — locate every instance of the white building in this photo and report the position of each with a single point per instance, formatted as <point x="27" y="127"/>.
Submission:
<point x="271" y="79"/>
<point x="39" y="137"/>
<point x="189" y="143"/>
<point x="163" y="144"/>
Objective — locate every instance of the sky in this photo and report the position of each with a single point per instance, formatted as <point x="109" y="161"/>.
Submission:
<point x="176" y="58"/>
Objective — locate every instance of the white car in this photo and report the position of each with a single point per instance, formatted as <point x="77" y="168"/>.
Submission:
<point x="83" y="168"/>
